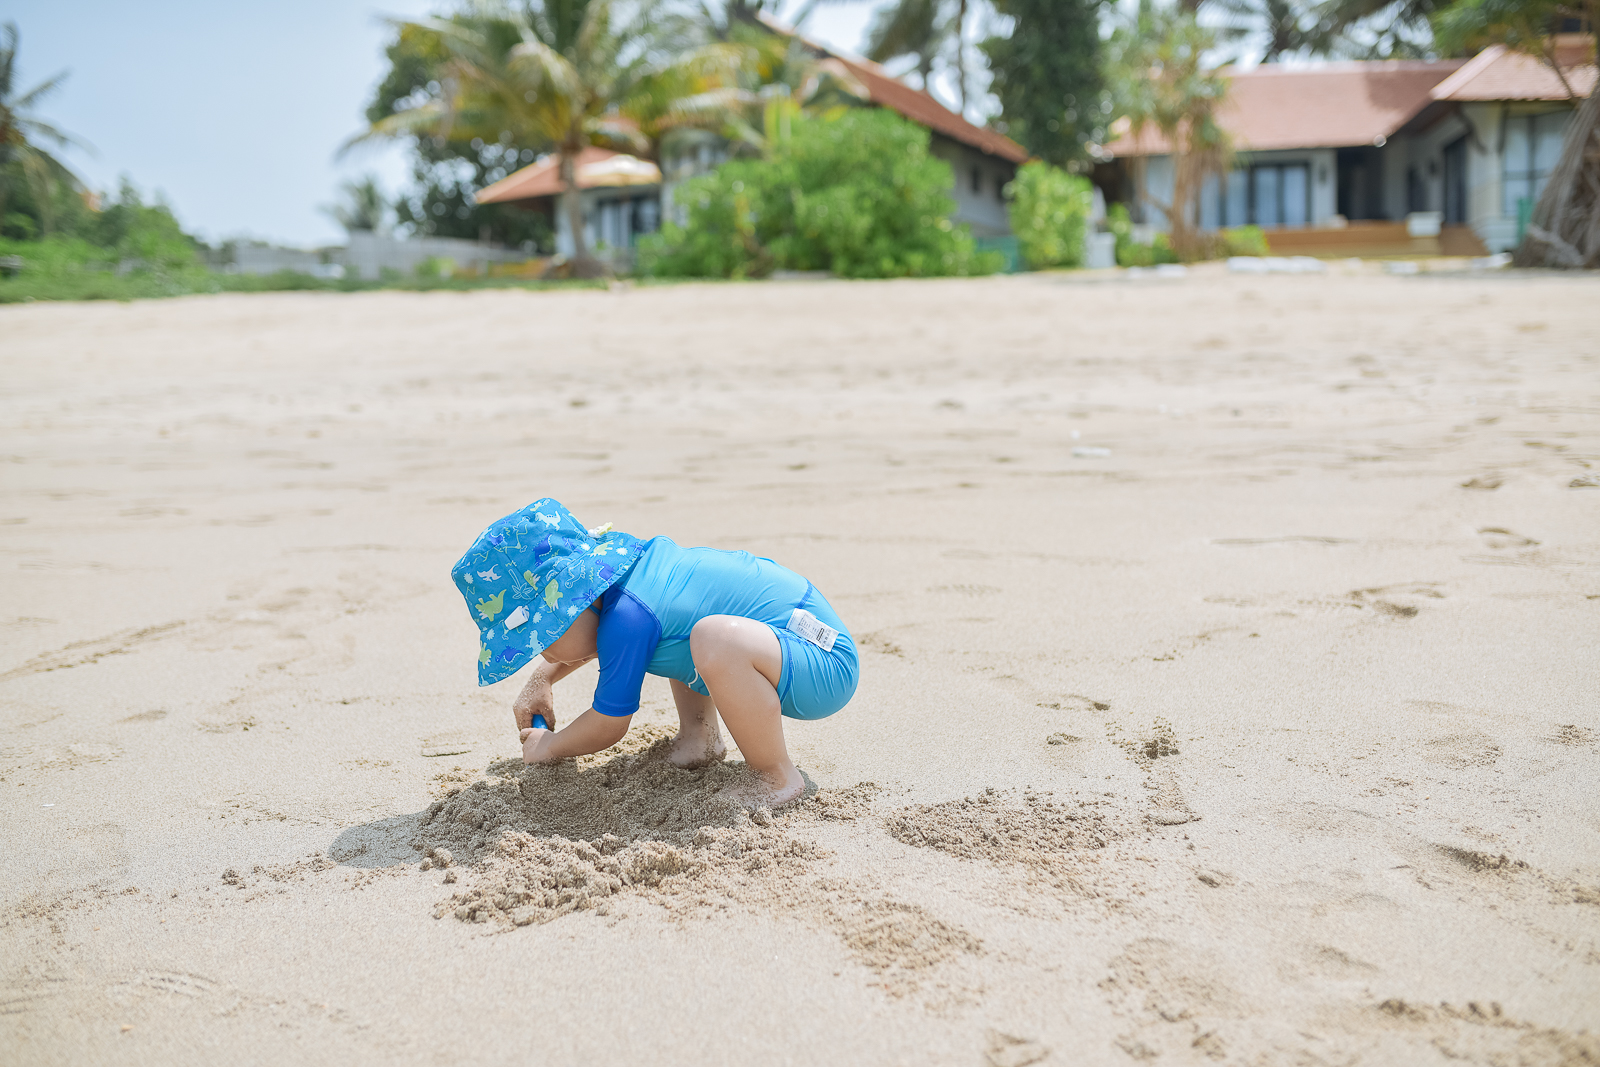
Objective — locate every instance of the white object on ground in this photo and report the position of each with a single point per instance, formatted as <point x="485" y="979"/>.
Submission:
<point x="1275" y="265"/>
<point x="1090" y="452"/>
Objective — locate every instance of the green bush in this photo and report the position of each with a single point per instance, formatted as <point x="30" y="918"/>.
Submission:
<point x="1050" y="215"/>
<point x="857" y="195"/>
<point x="1131" y="253"/>
<point x="1245" y="241"/>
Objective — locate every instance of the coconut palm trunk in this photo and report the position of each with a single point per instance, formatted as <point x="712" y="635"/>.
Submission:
<point x="1565" y="229"/>
<point x="583" y="265"/>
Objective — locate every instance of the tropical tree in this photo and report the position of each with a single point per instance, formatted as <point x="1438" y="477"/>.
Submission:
<point x="777" y="78"/>
<point x="1047" y="74"/>
<point x="363" y="209"/>
<point x="21" y="132"/>
<point x="1154" y="66"/>
<point x="1565" y="228"/>
<point x="1274" y="28"/>
<point x="924" y="30"/>
<point x="1376" y="29"/>
<point x="561" y="75"/>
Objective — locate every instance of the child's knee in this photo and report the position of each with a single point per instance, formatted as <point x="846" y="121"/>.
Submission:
<point x="713" y="639"/>
<point x="719" y="641"/>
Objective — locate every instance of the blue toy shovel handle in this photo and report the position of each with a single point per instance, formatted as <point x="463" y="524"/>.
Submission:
<point x="539" y="723"/>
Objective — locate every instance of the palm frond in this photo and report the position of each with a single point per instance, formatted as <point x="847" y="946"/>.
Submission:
<point x="39" y="92"/>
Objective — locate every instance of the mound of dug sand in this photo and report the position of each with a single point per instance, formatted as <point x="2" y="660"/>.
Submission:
<point x="541" y="842"/>
<point x="1001" y="827"/>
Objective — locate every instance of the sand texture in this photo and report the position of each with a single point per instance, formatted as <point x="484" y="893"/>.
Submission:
<point x="1230" y="677"/>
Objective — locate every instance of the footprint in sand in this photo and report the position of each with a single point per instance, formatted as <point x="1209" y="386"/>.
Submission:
<point x="1075" y="702"/>
<point x="1006" y="1050"/>
<point x="1396" y="601"/>
<point x="1460" y="751"/>
<point x="1571" y="734"/>
<point x="1498" y="537"/>
<point x="1159" y="742"/>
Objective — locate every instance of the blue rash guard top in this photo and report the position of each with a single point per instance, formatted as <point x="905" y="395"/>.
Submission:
<point x="645" y="618"/>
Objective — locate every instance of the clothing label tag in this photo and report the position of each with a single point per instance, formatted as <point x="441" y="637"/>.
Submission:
<point x="812" y="629"/>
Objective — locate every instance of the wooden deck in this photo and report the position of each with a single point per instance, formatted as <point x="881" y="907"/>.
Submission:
<point x="1373" y="240"/>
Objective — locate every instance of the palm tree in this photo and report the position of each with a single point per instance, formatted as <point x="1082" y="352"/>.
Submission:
<point x="1564" y="230"/>
<point x="563" y="75"/>
<point x="1279" y="27"/>
<point x="364" y="208"/>
<point x="1154" y="66"/>
<point x="909" y="28"/>
<point x="777" y="77"/>
<point x="21" y="130"/>
<point x="924" y="30"/>
<point x="1376" y="29"/>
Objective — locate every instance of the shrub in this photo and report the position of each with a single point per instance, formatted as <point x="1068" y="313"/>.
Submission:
<point x="1245" y="241"/>
<point x="1049" y="211"/>
<point x="1131" y="253"/>
<point x="857" y="194"/>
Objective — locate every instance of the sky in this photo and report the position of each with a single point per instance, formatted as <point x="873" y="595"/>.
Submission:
<point x="235" y="112"/>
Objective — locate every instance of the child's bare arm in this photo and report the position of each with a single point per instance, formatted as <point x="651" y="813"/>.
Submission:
<point x="536" y="697"/>
<point x="589" y="732"/>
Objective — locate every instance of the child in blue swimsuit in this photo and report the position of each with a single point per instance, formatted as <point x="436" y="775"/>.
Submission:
<point x="739" y="637"/>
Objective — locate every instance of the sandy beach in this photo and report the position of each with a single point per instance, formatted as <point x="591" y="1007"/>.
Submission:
<point x="1230" y="677"/>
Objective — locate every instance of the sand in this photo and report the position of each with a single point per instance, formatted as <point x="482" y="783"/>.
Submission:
<point x="1229" y="676"/>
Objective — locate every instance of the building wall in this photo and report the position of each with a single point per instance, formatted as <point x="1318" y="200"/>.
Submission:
<point x="1217" y="208"/>
<point x="369" y="254"/>
<point x="613" y="220"/>
<point x="980" y="181"/>
<point x="1493" y="210"/>
<point x="1416" y="164"/>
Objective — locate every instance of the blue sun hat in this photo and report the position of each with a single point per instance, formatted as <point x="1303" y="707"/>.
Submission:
<point x="529" y="575"/>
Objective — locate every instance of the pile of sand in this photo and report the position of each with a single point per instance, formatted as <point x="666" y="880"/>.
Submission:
<point x="541" y="842"/>
<point x="525" y="845"/>
<point x="1003" y="827"/>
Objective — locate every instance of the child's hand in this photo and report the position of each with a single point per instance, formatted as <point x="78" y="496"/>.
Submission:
<point x="535" y="746"/>
<point x="537" y="698"/>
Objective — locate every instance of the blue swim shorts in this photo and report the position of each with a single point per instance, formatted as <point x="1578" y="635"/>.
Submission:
<point x="816" y="683"/>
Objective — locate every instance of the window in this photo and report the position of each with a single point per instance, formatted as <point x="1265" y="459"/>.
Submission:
<point x="1269" y="196"/>
<point x="646" y="215"/>
<point x="977" y="179"/>
<point x="1532" y="148"/>
<point x="1455" y="181"/>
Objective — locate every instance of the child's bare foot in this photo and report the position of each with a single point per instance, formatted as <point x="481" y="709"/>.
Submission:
<point x="696" y="749"/>
<point x="773" y="789"/>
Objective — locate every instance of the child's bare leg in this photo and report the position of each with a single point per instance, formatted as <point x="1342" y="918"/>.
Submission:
<point x="699" y="739"/>
<point x="741" y="663"/>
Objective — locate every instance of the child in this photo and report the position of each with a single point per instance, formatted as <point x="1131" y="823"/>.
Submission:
<point x="736" y="635"/>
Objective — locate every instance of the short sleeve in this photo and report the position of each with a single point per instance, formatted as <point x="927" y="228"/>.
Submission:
<point x="626" y="640"/>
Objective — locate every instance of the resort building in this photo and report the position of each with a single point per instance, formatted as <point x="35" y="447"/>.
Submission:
<point x="625" y="197"/>
<point x="1367" y="158"/>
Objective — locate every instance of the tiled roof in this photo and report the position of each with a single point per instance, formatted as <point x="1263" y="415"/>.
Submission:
<point x="1336" y="105"/>
<point x="597" y="168"/>
<point x="1497" y="73"/>
<point x="915" y="104"/>
<point x="920" y="107"/>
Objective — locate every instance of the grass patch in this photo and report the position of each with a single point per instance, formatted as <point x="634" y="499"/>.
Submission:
<point x="28" y="286"/>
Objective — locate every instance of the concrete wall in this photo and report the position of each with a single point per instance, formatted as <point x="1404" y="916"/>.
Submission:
<point x="369" y="254"/>
<point x="254" y="259"/>
<point x="980" y="181"/>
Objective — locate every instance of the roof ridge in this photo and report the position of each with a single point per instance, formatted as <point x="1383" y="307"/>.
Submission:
<point x="1468" y="73"/>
